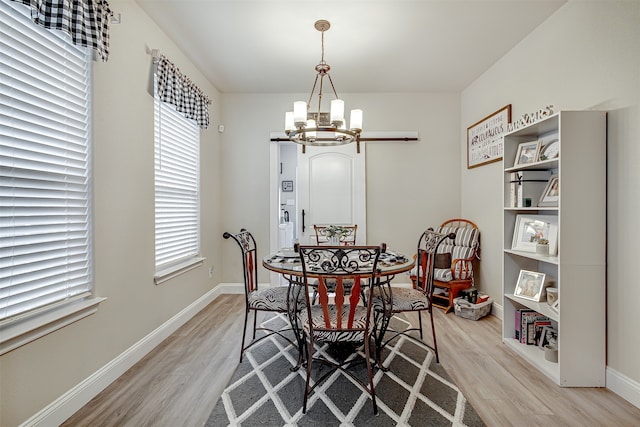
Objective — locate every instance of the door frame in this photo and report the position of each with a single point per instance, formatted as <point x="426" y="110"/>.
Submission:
<point x="274" y="191"/>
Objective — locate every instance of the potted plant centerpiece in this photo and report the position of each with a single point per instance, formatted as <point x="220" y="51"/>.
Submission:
<point x="542" y="246"/>
<point x="335" y="233"/>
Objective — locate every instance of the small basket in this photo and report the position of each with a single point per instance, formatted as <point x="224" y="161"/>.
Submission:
<point x="467" y="310"/>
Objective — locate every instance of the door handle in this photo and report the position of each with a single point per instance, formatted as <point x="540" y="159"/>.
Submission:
<point x="303" y="226"/>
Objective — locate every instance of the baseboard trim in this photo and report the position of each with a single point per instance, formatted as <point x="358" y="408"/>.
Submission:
<point x="623" y="386"/>
<point x="496" y="310"/>
<point x="70" y="402"/>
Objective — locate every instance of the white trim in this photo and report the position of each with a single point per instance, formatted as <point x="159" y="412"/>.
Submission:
<point x="30" y="328"/>
<point x="497" y="310"/>
<point x="623" y="386"/>
<point x="178" y="269"/>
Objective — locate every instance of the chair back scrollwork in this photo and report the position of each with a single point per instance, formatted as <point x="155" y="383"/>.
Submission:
<point x="247" y="245"/>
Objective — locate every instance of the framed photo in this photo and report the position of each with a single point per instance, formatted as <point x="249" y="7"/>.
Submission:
<point x="551" y="193"/>
<point x="556" y="305"/>
<point x="287" y="186"/>
<point x="529" y="228"/>
<point x="549" y="336"/>
<point x="527" y="153"/>
<point x="530" y="285"/>
<point x="484" y="138"/>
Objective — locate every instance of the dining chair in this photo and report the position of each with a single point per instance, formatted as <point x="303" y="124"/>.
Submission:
<point x="345" y="234"/>
<point x="388" y="301"/>
<point x="344" y="321"/>
<point x="274" y="299"/>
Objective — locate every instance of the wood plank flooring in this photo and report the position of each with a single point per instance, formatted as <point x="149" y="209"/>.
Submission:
<point x="179" y="382"/>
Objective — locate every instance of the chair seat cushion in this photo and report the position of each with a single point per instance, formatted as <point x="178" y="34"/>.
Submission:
<point x="404" y="299"/>
<point x="439" y="274"/>
<point x="336" y="335"/>
<point x="272" y="299"/>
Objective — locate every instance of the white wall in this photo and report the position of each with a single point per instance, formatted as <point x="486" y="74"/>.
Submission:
<point x="410" y="185"/>
<point x="586" y="56"/>
<point x="34" y="375"/>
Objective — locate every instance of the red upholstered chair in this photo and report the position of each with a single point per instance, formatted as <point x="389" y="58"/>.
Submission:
<point x="455" y="262"/>
<point x="344" y="321"/>
<point x="273" y="299"/>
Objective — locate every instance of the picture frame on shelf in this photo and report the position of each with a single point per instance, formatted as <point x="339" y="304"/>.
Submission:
<point x="484" y="138"/>
<point x="527" y="153"/>
<point x="549" y="336"/>
<point x="530" y="285"/>
<point x="556" y="305"/>
<point x="529" y="228"/>
<point x="551" y="194"/>
<point x="549" y="149"/>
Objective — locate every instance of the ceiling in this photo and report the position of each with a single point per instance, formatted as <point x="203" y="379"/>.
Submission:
<point x="271" y="46"/>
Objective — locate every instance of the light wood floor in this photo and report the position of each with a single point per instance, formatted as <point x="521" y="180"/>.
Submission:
<point x="178" y="383"/>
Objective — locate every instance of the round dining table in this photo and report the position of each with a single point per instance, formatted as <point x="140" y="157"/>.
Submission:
<point x="287" y="263"/>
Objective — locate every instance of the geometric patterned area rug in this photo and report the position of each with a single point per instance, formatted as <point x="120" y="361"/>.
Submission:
<point x="416" y="391"/>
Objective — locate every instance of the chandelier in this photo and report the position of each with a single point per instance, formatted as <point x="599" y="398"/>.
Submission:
<point x="307" y="127"/>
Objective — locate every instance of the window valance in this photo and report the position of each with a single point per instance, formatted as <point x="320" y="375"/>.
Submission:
<point x="175" y="88"/>
<point x="86" y="21"/>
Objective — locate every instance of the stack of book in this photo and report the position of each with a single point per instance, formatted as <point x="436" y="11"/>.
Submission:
<point x="530" y="326"/>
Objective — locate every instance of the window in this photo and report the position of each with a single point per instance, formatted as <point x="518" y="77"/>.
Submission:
<point x="45" y="181"/>
<point x="177" y="192"/>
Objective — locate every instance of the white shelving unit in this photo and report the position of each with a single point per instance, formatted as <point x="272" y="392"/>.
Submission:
<point x="578" y="269"/>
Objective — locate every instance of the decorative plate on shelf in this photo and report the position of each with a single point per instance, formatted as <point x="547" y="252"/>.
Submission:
<point x="549" y="150"/>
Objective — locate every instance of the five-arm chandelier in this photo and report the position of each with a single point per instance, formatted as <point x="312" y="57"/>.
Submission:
<point x="308" y="127"/>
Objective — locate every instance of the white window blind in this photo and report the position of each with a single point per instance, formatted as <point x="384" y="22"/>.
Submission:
<point x="45" y="189"/>
<point x="177" y="192"/>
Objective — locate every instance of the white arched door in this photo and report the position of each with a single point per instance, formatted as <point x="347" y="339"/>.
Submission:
<point x="331" y="190"/>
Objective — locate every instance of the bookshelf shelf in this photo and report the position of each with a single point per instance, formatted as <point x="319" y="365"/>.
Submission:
<point x="578" y="269"/>
<point x="540" y="307"/>
<point x="535" y="356"/>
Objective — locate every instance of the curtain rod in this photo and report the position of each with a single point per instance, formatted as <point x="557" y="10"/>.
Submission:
<point x="402" y="136"/>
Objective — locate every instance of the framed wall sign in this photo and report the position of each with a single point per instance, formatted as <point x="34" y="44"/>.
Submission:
<point x="287" y="186"/>
<point x="484" y="138"/>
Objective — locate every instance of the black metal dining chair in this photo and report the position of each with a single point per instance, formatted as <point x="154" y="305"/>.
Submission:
<point x="344" y="321"/>
<point x="388" y="301"/>
<point x="273" y="299"/>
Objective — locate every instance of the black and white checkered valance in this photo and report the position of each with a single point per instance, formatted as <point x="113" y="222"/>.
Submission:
<point x="86" y="21"/>
<point x="175" y="88"/>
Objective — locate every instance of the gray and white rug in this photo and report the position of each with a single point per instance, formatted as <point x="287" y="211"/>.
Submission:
<point x="416" y="391"/>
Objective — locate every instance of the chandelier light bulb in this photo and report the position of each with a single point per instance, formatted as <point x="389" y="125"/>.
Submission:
<point x="311" y="135"/>
<point x="356" y="120"/>
<point x="288" y="121"/>
<point x="337" y="112"/>
<point x="299" y="112"/>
